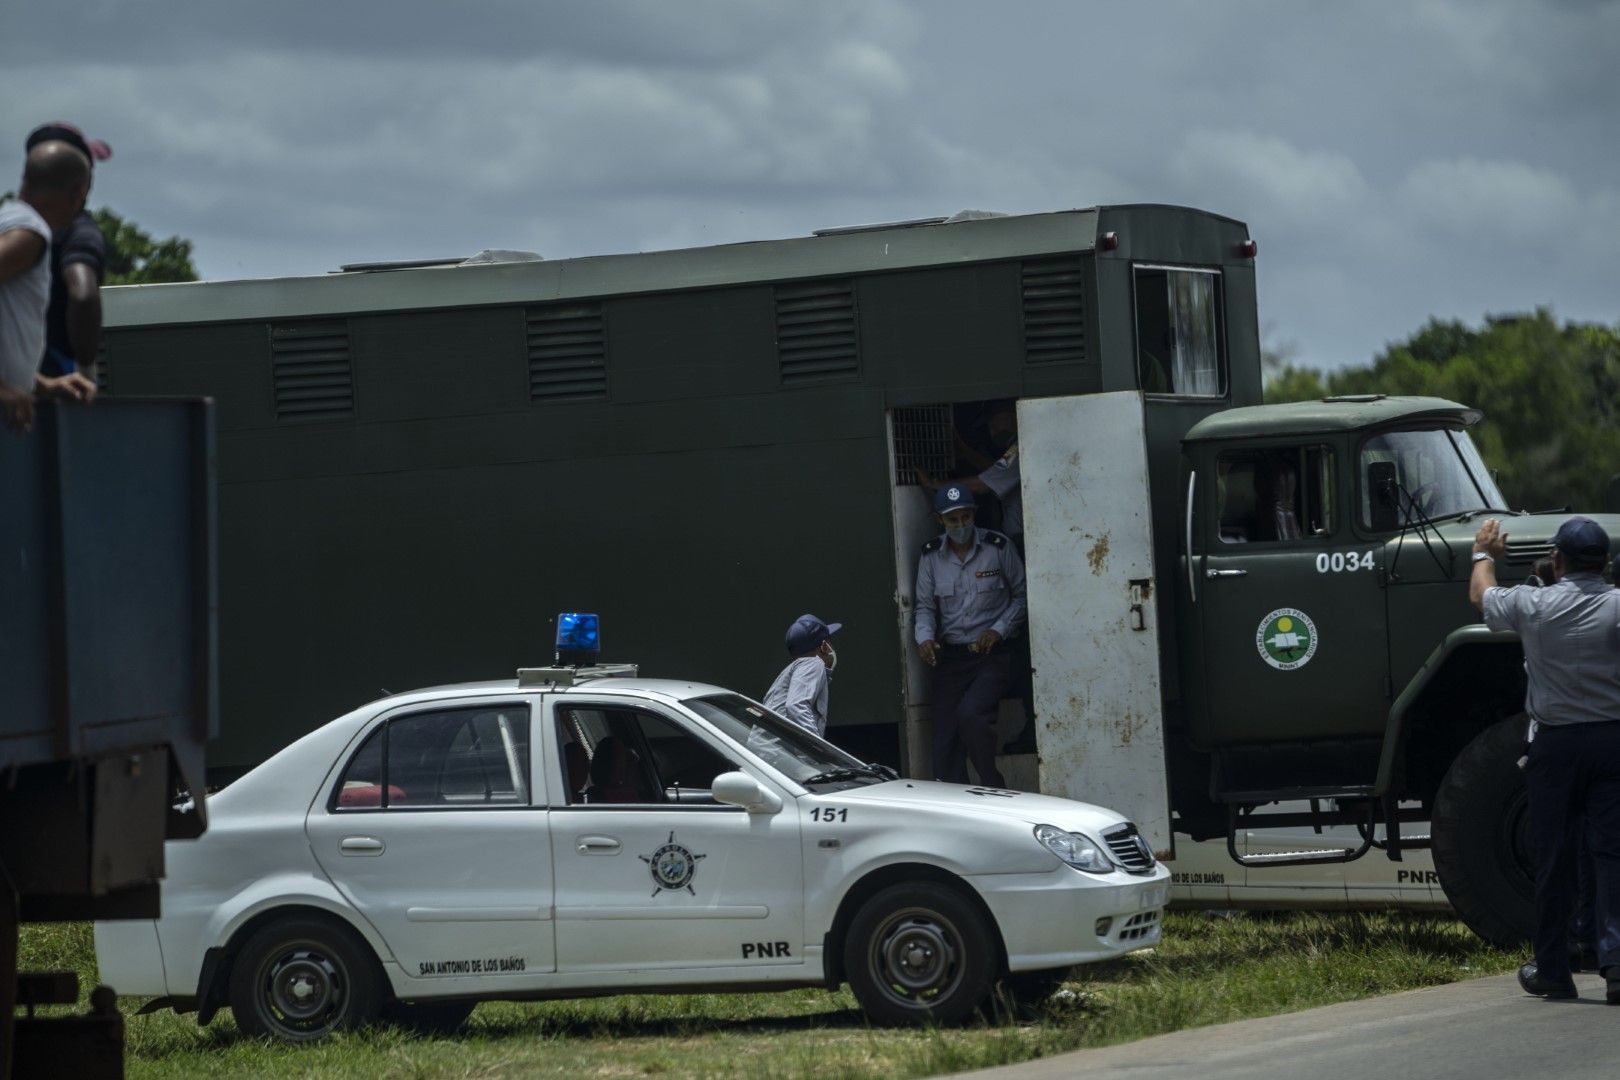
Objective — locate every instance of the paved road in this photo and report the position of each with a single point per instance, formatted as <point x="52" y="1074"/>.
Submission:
<point x="1482" y="1029"/>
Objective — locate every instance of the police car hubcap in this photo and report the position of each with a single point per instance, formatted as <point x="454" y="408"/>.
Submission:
<point x="304" y="987"/>
<point x="917" y="956"/>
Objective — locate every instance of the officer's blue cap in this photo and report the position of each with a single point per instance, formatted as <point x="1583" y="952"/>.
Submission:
<point x="1582" y="537"/>
<point x="808" y="632"/>
<point x="953" y="497"/>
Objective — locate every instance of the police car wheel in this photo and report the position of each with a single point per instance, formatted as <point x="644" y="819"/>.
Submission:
<point x="1481" y="836"/>
<point x="919" y="954"/>
<point x="429" y="1017"/>
<point x="300" y="979"/>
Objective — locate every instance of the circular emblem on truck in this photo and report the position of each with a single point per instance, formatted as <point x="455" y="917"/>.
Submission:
<point x="673" y="866"/>
<point x="1286" y="639"/>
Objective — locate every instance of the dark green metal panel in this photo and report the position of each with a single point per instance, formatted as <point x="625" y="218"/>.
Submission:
<point x="416" y="365"/>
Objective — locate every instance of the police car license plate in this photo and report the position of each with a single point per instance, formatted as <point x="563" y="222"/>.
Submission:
<point x="1155" y="896"/>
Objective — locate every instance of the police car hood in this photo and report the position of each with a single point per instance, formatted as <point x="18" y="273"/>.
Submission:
<point x="998" y="802"/>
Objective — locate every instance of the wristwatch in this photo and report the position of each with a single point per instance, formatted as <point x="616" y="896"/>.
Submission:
<point x="1483" y="556"/>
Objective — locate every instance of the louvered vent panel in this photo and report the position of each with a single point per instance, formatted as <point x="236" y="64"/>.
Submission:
<point x="314" y="379"/>
<point x="1054" y="311"/>
<point x="816" y="338"/>
<point x="922" y="440"/>
<point x="567" y="353"/>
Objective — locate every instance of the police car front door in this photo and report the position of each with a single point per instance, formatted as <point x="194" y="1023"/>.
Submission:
<point x="652" y="873"/>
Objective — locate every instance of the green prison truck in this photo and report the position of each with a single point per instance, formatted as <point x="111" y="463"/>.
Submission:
<point x="1231" y="604"/>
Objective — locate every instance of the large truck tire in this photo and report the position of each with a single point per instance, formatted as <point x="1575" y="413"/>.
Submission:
<point x="1481" y="836"/>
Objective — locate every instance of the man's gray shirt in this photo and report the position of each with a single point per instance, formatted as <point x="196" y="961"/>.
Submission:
<point x="959" y="599"/>
<point x="800" y="693"/>
<point x="1571" y="637"/>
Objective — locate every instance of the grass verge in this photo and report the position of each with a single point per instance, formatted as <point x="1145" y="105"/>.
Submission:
<point x="1210" y="969"/>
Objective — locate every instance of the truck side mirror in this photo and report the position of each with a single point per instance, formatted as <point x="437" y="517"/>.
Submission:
<point x="1381" y="483"/>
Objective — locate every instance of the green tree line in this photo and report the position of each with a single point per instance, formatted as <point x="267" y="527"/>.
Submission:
<point x="1549" y="391"/>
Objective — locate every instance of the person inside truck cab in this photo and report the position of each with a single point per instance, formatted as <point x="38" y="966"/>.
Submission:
<point x="970" y="599"/>
<point x="1276" y="481"/>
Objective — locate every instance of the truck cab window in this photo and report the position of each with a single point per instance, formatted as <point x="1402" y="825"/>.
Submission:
<point x="1275" y="495"/>
<point x="1436" y="473"/>
<point x="1178" y="331"/>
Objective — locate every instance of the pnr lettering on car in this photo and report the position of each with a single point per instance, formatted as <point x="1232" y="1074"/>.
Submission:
<point x="666" y="843"/>
<point x="765" y="948"/>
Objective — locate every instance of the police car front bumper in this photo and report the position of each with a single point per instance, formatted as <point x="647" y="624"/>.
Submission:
<point x="1068" y="916"/>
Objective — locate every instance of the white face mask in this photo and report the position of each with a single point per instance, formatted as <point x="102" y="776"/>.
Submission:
<point x="830" y="656"/>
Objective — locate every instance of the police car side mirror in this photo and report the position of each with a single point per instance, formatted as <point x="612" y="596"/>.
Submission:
<point x="740" y="789"/>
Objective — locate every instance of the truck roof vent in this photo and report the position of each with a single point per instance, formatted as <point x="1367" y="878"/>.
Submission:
<point x="313" y="377"/>
<point x="567" y="352"/>
<point x="816" y="339"/>
<point x="1353" y="399"/>
<point x="1054" y="310"/>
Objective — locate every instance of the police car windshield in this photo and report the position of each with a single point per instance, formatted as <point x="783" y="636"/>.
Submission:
<point x="782" y="744"/>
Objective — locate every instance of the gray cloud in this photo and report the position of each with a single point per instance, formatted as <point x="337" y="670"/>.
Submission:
<point x="1394" y="160"/>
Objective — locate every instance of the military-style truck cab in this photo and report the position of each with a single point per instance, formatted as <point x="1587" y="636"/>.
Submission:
<point x="1330" y="652"/>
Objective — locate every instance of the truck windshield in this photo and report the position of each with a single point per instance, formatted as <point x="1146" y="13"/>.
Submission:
<point x="1439" y="470"/>
<point x="782" y="744"/>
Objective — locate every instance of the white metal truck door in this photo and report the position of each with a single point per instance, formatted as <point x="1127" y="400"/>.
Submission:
<point x="1094" y="640"/>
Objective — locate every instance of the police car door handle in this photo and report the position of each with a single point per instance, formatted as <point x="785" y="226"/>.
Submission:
<point x="361" y="845"/>
<point x="598" y="845"/>
<point x="1224" y="573"/>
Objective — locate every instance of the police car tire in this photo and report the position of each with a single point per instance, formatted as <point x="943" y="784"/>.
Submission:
<point x="1481" y="853"/>
<point x="429" y="1017"/>
<point x="318" y="954"/>
<point x="953" y="951"/>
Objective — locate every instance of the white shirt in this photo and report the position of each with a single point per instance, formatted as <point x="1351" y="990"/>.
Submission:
<point x="23" y="300"/>
<point x="800" y="693"/>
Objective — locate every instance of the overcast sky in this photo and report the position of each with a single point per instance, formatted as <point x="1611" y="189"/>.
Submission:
<point x="1394" y="160"/>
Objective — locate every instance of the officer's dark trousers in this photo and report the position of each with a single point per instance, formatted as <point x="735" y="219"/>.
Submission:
<point x="965" y="694"/>
<point x="1574" y="773"/>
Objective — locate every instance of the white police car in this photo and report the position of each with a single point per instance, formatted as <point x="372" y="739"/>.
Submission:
<point x="577" y="832"/>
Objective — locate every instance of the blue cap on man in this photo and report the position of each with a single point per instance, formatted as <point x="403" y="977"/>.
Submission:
<point x="953" y="497"/>
<point x="808" y="632"/>
<point x="1581" y="537"/>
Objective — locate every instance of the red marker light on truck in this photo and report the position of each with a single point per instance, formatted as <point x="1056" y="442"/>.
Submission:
<point x="1248" y="249"/>
<point x="1110" y="241"/>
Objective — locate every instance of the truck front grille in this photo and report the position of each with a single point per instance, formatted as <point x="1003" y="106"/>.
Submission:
<point x="1128" y="848"/>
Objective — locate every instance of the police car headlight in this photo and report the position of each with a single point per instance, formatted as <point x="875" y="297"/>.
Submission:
<point x="1080" y="852"/>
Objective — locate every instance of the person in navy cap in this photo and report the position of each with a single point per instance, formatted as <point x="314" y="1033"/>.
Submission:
<point x="1570" y="632"/>
<point x="969" y="601"/>
<point x="800" y="692"/>
<point x="78" y="267"/>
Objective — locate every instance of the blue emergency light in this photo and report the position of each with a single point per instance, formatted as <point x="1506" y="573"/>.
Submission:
<point x="579" y="638"/>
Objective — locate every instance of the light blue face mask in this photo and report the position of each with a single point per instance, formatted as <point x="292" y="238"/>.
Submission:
<point x="962" y="534"/>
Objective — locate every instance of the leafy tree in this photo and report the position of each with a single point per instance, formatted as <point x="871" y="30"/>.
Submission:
<point x="1550" y="394"/>
<point x="135" y="257"/>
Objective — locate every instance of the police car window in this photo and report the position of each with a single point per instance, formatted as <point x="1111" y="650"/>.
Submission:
<point x="451" y="758"/>
<point x="631" y="756"/>
<point x="782" y="744"/>
<point x="1273" y="495"/>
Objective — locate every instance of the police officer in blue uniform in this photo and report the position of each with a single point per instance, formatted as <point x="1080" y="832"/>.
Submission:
<point x="969" y="602"/>
<point x="1570" y="632"/>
